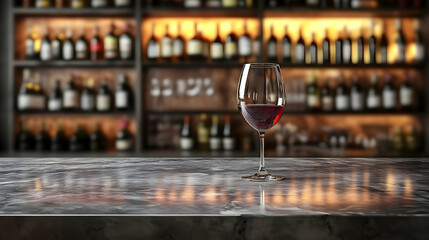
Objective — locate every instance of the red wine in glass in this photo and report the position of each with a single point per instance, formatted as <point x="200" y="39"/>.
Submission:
<point x="261" y="117"/>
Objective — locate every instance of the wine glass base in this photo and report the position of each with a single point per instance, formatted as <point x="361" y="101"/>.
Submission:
<point x="262" y="177"/>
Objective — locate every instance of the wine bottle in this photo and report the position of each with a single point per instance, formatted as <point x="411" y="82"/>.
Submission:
<point x="361" y="47"/>
<point x="342" y="96"/>
<point x="206" y="47"/>
<point x="213" y="3"/>
<point x="272" y="46"/>
<point x="124" y="97"/>
<point x="55" y="101"/>
<point x="77" y="4"/>
<point x="231" y="45"/>
<point x="111" y="44"/>
<point x="256" y="47"/>
<point x="229" y="3"/>
<point x="103" y="98"/>
<point x="166" y="45"/>
<point x="57" y="45"/>
<point x="186" y="141"/>
<point x="43" y="140"/>
<point x="339" y="49"/>
<point x="399" y="42"/>
<point x="153" y="46"/>
<point x="373" y="95"/>
<point x="406" y="94"/>
<point x="43" y="3"/>
<point x="123" y="3"/>
<point x="383" y="45"/>
<point x="347" y="47"/>
<point x="39" y="98"/>
<point x="126" y="44"/>
<point x="228" y="142"/>
<point x="312" y="3"/>
<point x="356" y="95"/>
<point x="68" y="46"/>
<point x="215" y="138"/>
<point x="412" y="139"/>
<point x="372" y="44"/>
<point x="327" y="97"/>
<point x="96" y="45"/>
<point x="192" y="3"/>
<point x="245" y="44"/>
<point x="87" y="97"/>
<point x="26" y="93"/>
<point x="203" y="133"/>
<point x="30" y="44"/>
<point x="124" y="139"/>
<point x="70" y="96"/>
<point x="287" y="47"/>
<point x="389" y="94"/>
<point x="179" y="46"/>
<point x="59" y="141"/>
<point x="195" y="45"/>
<point x="81" y="46"/>
<point x="98" y="141"/>
<point x="79" y="141"/>
<point x="313" y="49"/>
<point x="217" y="53"/>
<point x="300" y="49"/>
<point x="326" y="48"/>
<point x="26" y="140"/>
<point x="99" y="3"/>
<point x="45" y="47"/>
<point x="419" y="43"/>
<point x="313" y="94"/>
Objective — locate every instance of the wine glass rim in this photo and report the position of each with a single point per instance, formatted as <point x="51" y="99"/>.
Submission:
<point x="262" y="65"/>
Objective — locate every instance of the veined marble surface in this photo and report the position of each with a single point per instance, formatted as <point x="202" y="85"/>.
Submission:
<point x="204" y="186"/>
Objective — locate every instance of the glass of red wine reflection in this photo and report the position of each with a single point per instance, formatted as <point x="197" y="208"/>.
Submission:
<point x="261" y="99"/>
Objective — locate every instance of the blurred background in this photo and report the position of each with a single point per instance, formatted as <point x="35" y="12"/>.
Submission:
<point x="159" y="78"/>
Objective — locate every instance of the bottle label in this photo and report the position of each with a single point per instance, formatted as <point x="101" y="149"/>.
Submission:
<point x="123" y="144"/>
<point x="110" y="47"/>
<point x="70" y="99"/>
<point x="55" y="49"/>
<point x="38" y="102"/>
<point x="203" y="135"/>
<point x="122" y="3"/>
<point x="177" y="48"/>
<point x="342" y="102"/>
<point x="230" y="49"/>
<point x="68" y="51"/>
<point x="300" y="53"/>
<point x="153" y="51"/>
<point x="217" y="50"/>
<point x="24" y="101"/>
<point x="125" y="47"/>
<point x="215" y="143"/>
<point x="192" y="3"/>
<point x="406" y="96"/>
<point x="103" y="102"/>
<point x="195" y="47"/>
<point x="54" y="104"/>
<point x="228" y="143"/>
<point x="373" y="102"/>
<point x="357" y="101"/>
<point x="383" y="55"/>
<point x="29" y="47"/>
<point x="121" y="99"/>
<point x="45" y="52"/>
<point x="312" y="101"/>
<point x="244" y="46"/>
<point x="87" y="102"/>
<point x="272" y="50"/>
<point x="346" y="52"/>
<point x="420" y="52"/>
<point x="99" y="3"/>
<point x="81" y="50"/>
<point x="166" y="47"/>
<point x="389" y="99"/>
<point x="186" y="143"/>
<point x="286" y="50"/>
<point x="401" y="52"/>
<point x="229" y="3"/>
<point x="256" y="47"/>
<point x="43" y="3"/>
<point x="77" y="4"/>
<point x="327" y="103"/>
<point x="95" y="47"/>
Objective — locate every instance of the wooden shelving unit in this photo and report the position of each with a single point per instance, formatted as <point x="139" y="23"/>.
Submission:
<point x="140" y="13"/>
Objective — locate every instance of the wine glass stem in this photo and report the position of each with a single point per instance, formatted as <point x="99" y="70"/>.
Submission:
<point x="262" y="170"/>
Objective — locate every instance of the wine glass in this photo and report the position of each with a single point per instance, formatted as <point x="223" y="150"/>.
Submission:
<point x="261" y="98"/>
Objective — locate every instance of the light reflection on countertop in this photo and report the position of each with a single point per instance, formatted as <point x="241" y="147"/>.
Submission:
<point x="213" y="186"/>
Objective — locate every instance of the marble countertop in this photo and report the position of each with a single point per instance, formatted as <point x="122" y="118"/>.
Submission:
<point x="213" y="186"/>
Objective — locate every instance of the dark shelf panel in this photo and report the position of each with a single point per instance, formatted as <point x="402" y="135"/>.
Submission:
<point x="73" y="63"/>
<point x="190" y="64"/>
<point x="182" y="112"/>
<point x="79" y="12"/>
<point x="199" y="12"/>
<point x="356" y="66"/>
<point x="73" y="113"/>
<point x="286" y="112"/>
<point x="316" y="13"/>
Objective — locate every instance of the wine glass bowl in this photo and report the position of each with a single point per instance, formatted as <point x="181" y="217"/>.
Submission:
<point x="261" y="99"/>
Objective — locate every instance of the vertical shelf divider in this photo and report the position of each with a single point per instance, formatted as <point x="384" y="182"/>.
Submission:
<point x="138" y="81"/>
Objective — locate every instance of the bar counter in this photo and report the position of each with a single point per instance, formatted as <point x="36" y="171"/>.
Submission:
<point x="323" y="198"/>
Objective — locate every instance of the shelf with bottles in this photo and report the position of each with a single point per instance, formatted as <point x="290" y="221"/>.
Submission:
<point x="74" y="4"/>
<point x="343" y="13"/>
<point x="49" y="92"/>
<point x="354" y="42"/>
<point x="75" y="134"/>
<point x="62" y="42"/>
<point x="71" y="12"/>
<point x="75" y="113"/>
<point x="218" y="8"/>
<point x="73" y="64"/>
<point x="200" y="40"/>
<point x="193" y="64"/>
<point x="421" y="65"/>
